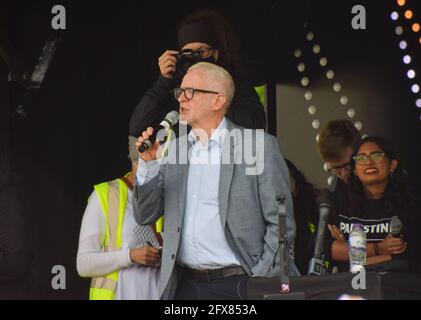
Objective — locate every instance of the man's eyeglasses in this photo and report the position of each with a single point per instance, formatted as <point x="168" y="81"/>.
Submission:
<point x="376" y="157"/>
<point x="336" y="170"/>
<point x="189" y="92"/>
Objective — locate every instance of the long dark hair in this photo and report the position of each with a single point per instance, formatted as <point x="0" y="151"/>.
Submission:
<point x="305" y="200"/>
<point x="397" y="192"/>
<point x="226" y="38"/>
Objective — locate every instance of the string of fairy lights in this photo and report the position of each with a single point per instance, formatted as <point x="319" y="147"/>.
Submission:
<point x="407" y="29"/>
<point x="336" y="86"/>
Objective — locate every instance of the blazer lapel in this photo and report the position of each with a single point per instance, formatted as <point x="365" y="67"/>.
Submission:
<point x="182" y="176"/>
<point x="225" y="175"/>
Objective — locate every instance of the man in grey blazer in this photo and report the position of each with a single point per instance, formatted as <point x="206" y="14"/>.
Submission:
<point x="218" y="189"/>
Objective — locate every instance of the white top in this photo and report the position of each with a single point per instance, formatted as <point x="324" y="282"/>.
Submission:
<point x="135" y="282"/>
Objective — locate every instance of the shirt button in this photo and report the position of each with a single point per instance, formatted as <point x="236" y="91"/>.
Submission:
<point x="178" y="229"/>
<point x="173" y="256"/>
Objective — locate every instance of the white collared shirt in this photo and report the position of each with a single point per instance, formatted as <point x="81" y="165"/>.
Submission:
<point x="203" y="242"/>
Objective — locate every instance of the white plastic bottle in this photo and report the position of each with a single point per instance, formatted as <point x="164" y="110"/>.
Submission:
<point x="357" y="248"/>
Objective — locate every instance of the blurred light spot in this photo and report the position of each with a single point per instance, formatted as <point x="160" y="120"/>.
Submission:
<point x="304" y="82"/>
<point x="312" y="110"/>
<point x="330" y="74"/>
<point x="408" y="14"/>
<point x="394" y="15"/>
<point x="337" y="87"/>
<point x="344" y="100"/>
<point x="403" y="44"/>
<point x="301" y="67"/>
<point x="351" y="113"/>
<point x="410" y="74"/>
<point x="407" y="59"/>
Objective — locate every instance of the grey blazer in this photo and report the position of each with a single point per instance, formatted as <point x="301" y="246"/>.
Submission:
<point x="247" y="203"/>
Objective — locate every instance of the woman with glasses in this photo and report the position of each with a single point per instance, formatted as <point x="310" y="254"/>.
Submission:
<point x="377" y="193"/>
<point x="204" y="36"/>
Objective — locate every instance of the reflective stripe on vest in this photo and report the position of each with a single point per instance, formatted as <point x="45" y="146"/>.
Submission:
<point x="261" y="93"/>
<point x="113" y="199"/>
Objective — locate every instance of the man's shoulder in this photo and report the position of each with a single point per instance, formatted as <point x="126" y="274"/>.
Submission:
<point x="250" y="132"/>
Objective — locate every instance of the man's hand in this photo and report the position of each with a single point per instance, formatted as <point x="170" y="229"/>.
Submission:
<point x="167" y="63"/>
<point x="149" y="154"/>
<point x="146" y="256"/>
<point x="391" y="245"/>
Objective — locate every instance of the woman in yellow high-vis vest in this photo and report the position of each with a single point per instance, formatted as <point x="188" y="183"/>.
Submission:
<point x="121" y="257"/>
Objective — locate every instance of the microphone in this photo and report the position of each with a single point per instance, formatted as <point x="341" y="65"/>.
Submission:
<point x="171" y="119"/>
<point x="283" y="244"/>
<point x="316" y="265"/>
<point x="333" y="184"/>
<point x="395" y="227"/>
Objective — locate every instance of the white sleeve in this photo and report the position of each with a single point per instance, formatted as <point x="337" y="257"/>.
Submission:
<point x="91" y="261"/>
<point x="146" y="171"/>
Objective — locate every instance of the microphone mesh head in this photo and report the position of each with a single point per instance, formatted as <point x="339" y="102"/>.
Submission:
<point x="172" y="117"/>
<point x="395" y="226"/>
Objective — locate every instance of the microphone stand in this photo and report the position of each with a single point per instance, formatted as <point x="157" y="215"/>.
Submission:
<point x="317" y="263"/>
<point x="285" y="293"/>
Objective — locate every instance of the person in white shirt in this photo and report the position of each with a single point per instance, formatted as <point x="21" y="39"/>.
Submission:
<point x="130" y="269"/>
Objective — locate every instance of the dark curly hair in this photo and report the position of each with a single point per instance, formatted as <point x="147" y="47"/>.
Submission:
<point x="226" y="38"/>
<point x="305" y="200"/>
<point x="397" y="193"/>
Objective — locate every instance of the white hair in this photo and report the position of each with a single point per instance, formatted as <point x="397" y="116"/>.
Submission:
<point x="219" y="79"/>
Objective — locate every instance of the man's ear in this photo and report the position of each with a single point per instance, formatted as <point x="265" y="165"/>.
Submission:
<point x="220" y="101"/>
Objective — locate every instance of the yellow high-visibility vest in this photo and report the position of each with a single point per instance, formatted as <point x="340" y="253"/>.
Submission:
<point x="112" y="197"/>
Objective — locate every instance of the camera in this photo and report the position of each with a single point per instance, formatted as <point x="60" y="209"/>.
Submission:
<point x="189" y="54"/>
<point x="185" y="59"/>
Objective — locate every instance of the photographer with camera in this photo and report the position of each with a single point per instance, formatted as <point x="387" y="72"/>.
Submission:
<point x="204" y="36"/>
